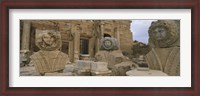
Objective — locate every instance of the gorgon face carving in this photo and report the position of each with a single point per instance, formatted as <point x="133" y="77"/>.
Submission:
<point x="108" y="43"/>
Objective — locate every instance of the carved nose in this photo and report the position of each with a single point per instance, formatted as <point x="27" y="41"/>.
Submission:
<point x="157" y="34"/>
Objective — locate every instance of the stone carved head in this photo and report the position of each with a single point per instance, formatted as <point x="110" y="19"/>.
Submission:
<point x="109" y="43"/>
<point x="48" y="40"/>
<point x="164" y="34"/>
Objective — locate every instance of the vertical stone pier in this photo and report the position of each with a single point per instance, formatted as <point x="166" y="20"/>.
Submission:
<point x="76" y="30"/>
<point x="24" y="50"/>
<point x="26" y="35"/>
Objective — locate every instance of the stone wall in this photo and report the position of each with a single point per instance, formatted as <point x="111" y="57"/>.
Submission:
<point x="92" y="30"/>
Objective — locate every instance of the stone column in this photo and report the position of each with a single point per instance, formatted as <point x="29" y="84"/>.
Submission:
<point x="102" y="29"/>
<point x="76" y="46"/>
<point x="97" y="45"/>
<point x="91" y="46"/>
<point x="26" y="35"/>
<point x="118" y="37"/>
<point x="101" y="35"/>
<point x="24" y="51"/>
<point x="96" y="41"/>
<point x="71" y="50"/>
<point x="76" y="30"/>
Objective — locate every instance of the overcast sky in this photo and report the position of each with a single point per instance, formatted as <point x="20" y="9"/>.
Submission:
<point x="140" y="30"/>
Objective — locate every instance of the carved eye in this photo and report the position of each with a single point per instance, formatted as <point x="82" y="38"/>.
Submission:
<point x="154" y="32"/>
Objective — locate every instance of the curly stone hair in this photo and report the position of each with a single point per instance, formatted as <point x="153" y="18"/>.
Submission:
<point x="172" y="37"/>
<point x="42" y="45"/>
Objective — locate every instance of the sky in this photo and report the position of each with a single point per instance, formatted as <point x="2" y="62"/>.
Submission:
<point x="139" y="28"/>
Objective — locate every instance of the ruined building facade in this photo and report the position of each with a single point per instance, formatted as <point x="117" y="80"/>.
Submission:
<point x="80" y="38"/>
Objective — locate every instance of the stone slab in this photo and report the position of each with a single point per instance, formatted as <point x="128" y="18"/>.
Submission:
<point x="59" y="74"/>
<point x="101" y="73"/>
<point x="99" y="66"/>
<point x="135" y="72"/>
<point x="121" y="68"/>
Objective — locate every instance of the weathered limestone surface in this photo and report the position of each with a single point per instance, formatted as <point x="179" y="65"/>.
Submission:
<point x="167" y="60"/>
<point x="88" y="68"/>
<point x="123" y="27"/>
<point x="121" y="68"/>
<point x="100" y="69"/>
<point x="164" y="34"/>
<point x="25" y="52"/>
<point x="49" y="59"/>
<point x="99" y="66"/>
<point x="110" y="53"/>
<point x="165" y="42"/>
<point x="111" y="57"/>
<point x="109" y="44"/>
<point x="24" y="58"/>
<point x="135" y="72"/>
<point x="59" y="74"/>
<point x="28" y="71"/>
<point x="83" y="67"/>
<point x="76" y="30"/>
<point x="69" y="68"/>
<point x="26" y="35"/>
<point x="73" y="30"/>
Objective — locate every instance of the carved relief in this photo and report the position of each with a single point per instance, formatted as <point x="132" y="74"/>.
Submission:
<point x="109" y="52"/>
<point x="165" y="42"/>
<point x="163" y="34"/>
<point x="49" y="59"/>
<point x="109" y="43"/>
<point x="48" y="40"/>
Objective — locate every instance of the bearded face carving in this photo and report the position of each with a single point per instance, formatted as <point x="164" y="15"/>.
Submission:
<point x="165" y="42"/>
<point x="159" y="33"/>
<point x="164" y="34"/>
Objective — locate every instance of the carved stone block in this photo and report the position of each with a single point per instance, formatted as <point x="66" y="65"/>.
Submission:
<point x="83" y="67"/>
<point x="99" y="66"/>
<point x="102" y="73"/>
<point x="109" y="43"/>
<point x="145" y="73"/>
<point x="100" y="69"/>
<point x="111" y="57"/>
<point x="59" y="74"/>
<point x="121" y="68"/>
<point x="165" y="42"/>
<point x="164" y="34"/>
<point x="49" y="59"/>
